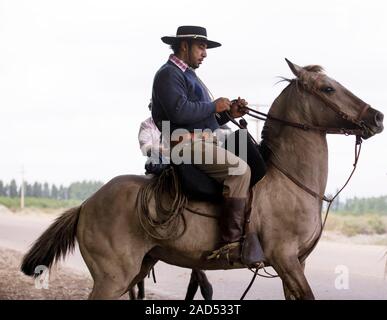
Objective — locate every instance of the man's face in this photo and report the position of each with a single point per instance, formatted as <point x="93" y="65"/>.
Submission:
<point x="197" y="53"/>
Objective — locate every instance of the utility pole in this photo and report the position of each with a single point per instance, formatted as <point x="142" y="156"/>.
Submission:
<point x="22" y="189"/>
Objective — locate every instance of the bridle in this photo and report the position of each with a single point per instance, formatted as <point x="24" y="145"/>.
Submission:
<point x="358" y="121"/>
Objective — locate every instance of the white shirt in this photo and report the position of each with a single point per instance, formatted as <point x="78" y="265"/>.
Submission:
<point x="148" y="136"/>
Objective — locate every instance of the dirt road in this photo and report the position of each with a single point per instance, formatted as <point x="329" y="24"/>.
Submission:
<point x="334" y="270"/>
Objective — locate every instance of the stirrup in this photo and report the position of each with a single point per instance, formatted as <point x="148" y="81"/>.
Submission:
<point x="256" y="265"/>
<point x="223" y="251"/>
<point x="252" y="254"/>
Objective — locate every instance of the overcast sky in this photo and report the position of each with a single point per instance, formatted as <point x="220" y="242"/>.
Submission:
<point x="76" y="76"/>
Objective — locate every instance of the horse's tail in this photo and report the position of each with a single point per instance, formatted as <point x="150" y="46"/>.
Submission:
<point x="53" y="244"/>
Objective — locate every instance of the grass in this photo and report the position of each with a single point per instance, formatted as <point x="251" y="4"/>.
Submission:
<point x="38" y="203"/>
<point x="352" y="225"/>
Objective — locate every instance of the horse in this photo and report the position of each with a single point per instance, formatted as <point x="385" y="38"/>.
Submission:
<point x="286" y="204"/>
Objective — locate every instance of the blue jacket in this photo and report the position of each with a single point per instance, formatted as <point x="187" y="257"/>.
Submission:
<point x="179" y="97"/>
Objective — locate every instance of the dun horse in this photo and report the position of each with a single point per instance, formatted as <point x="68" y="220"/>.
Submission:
<point x="286" y="204"/>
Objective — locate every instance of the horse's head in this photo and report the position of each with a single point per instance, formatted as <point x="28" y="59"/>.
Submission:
<point x="333" y="106"/>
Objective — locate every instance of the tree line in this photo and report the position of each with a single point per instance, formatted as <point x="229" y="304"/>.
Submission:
<point x="79" y="190"/>
<point x="83" y="189"/>
<point x="358" y="206"/>
<point x="377" y="205"/>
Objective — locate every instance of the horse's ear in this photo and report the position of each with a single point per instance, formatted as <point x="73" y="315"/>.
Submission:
<point x="295" y="68"/>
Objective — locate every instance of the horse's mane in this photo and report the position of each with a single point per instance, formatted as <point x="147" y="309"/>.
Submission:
<point x="314" y="68"/>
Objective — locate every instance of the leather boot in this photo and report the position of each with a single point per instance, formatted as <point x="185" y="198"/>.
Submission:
<point x="232" y="222"/>
<point x="236" y="247"/>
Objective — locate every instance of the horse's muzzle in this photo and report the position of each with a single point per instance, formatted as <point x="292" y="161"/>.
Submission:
<point x="374" y="125"/>
<point x="378" y="121"/>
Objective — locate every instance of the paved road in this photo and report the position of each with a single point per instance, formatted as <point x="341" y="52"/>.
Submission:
<point x="334" y="270"/>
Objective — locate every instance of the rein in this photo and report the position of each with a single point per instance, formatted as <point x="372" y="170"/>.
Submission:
<point x="333" y="106"/>
<point x="263" y="116"/>
<point x="358" y="144"/>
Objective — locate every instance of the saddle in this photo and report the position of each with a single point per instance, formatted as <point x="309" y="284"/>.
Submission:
<point x="196" y="185"/>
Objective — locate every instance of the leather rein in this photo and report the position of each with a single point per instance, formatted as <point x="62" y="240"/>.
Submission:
<point x="327" y="130"/>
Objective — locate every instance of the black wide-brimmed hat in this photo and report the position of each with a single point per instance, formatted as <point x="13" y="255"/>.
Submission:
<point x="191" y="32"/>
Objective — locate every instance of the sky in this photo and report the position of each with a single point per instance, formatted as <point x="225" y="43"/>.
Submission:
<point x="76" y="76"/>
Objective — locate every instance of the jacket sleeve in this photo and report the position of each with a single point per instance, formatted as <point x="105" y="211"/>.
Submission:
<point x="171" y="89"/>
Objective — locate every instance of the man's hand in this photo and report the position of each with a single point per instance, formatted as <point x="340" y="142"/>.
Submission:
<point x="238" y="108"/>
<point x="222" y="104"/>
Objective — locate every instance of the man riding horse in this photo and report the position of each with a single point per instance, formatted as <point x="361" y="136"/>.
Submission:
<point x="286" y="205"/>
<point x="181" y="98"/>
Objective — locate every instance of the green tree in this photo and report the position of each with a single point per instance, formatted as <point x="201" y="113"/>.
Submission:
<point x="377" y="205"/>
<point x="2" y="189"/>
<point x="83" y="190"/>
<point x="54" y="192"/>
<point x="28" y="191"/>
<point x="37" y="190"/>
<point x="63" y="193"/>
<point x="46" y="190"/>
<point x="13" y="189"/>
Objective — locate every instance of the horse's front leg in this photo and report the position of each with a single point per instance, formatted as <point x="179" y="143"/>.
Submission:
<point x="288" y="294"/>
<point x="294" y="282"/>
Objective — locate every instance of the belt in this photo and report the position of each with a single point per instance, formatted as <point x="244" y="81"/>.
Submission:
<point x="194" y="136"/>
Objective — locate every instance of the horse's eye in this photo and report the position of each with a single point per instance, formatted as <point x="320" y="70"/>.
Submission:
<point x="327" y="89"/>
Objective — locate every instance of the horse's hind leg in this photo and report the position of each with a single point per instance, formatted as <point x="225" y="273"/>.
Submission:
<point x="132" y="293"/>
<point x="141" y="290"/>
<point x="199" y="279"/>
<point x="295" y="285"/>
<point x="112" y="283"/>
<point x="114" y="274"/>
<point x="205" y="285"/>
<point x="147" y="264"/>
<point x="106" y="289"/>
<point x="192" y="286"/>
